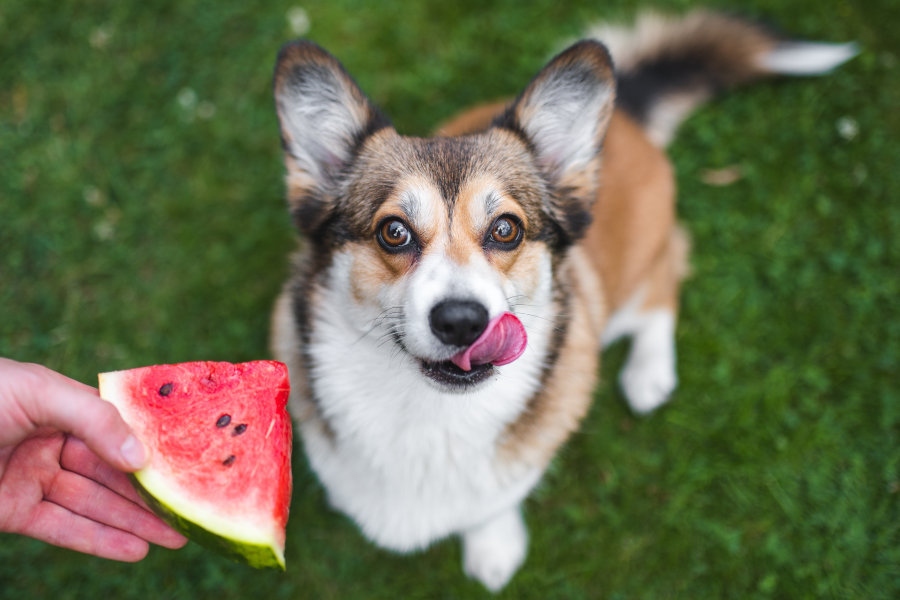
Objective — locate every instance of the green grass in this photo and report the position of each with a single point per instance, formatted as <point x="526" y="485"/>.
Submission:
<point x="143" y="222"/>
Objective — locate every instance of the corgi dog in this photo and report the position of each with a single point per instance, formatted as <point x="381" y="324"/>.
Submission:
<point x="451" y="295"/>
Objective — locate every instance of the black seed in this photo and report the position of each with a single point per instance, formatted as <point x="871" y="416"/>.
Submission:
<point x="166" y="389"/>
<point x="240" y="429"/>
<point x="229" y="461"/>
<point x="223" y="421"/>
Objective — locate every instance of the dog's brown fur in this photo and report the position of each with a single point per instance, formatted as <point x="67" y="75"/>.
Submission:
<point x="633" y="240"/>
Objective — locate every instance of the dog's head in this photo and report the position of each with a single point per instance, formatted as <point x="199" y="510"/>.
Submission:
<point x="435" y="242"/>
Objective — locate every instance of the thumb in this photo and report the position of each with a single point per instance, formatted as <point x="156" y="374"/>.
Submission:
<point x="73" y="407"/>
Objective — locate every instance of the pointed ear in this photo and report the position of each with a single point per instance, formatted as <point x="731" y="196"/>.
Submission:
<point x="563" y="115"/>
<point x="324" y="119"/>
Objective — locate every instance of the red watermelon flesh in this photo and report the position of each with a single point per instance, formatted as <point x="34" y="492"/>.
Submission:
<point x="219" y="438"/>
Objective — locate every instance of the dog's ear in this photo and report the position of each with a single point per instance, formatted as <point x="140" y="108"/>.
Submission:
<point x="563" y="115"/>
<point x="324" y="119"/>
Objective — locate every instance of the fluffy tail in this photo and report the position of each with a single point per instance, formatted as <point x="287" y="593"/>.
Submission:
<point x="667" y="66"/>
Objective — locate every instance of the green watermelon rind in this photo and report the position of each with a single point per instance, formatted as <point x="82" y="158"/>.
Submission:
<point x="260" y="556"/>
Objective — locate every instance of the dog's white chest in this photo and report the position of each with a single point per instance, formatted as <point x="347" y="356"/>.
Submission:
<point x="408" y="463"/>
<point x="415" y="489"/>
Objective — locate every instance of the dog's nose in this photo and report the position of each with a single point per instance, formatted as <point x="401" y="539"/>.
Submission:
<point x="458" y="322"/>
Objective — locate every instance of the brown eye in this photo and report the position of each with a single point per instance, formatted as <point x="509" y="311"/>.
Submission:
<point x="506" y="232"/>
<point x="394" y="235"/>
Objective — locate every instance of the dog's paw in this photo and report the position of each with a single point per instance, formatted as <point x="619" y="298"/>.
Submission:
<point x="493" y="552"/>
<point x="648" y="378"/>
<point x="648" y="384"/>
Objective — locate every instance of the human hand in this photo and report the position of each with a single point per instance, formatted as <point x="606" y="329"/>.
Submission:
<point x="63" y="451"/>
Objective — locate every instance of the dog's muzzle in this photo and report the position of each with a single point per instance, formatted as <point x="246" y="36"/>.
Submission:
<point x="485" y="342"/>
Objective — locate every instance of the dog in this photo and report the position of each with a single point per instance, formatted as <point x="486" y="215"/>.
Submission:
<point x="447" y="306"/>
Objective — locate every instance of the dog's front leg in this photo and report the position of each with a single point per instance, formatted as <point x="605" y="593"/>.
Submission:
<point x="649" y="375"/>
<point x="494" y="550"/>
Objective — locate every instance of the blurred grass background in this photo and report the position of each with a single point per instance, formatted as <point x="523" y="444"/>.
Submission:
<point x="143" y="222"/>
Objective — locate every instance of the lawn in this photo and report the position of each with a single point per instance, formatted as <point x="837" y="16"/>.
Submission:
<point x="143" y="221"/>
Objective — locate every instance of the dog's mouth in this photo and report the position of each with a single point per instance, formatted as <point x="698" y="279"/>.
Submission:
<point x="447" y="374"/>
<point x="501" y="342"/>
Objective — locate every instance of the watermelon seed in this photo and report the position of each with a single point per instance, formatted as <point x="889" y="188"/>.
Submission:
<point x="166" y="389"/>
<point x="229" y="461"/>
<point x="223" y="421"/>
<point x="240" y="429"/>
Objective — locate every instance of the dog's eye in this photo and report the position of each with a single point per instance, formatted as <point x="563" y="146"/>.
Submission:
<point x="506" y="232"/>
<point x="394" y="235"/>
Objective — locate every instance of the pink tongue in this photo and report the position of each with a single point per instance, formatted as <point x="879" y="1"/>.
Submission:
<point x="502" y="342"/>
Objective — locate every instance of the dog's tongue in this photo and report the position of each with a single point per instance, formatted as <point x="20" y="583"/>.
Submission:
<point x="502" y="342"/>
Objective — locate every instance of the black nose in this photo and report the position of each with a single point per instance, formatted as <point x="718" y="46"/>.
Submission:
<point x="458" y="322"/>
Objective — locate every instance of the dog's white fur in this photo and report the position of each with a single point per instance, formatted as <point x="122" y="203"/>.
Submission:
<point x="409" y="462"/>
<point x="649" y="376"/>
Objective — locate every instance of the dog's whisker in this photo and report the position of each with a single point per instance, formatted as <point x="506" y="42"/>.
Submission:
<point x="389" y="314"/>
<point x="383" y="341"/>
<point x="535" y="316"/>
<point x="547" y="320"/>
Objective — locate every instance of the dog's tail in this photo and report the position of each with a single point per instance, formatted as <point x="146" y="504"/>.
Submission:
<point x="667" y="66"/>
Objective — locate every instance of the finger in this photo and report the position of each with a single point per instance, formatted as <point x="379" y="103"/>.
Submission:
<point x="78" y="458"/>
<point x="60" y="402"/>
<point x="63" y="380"/>
<point x="87" y="498"/>
<point x="96" y="502"/>
<point x="58" y="526"/>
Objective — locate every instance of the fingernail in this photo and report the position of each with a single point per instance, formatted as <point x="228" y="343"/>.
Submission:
<point x="133" y="452"/>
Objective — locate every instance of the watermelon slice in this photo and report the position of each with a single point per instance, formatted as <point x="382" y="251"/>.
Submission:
<point x="219" y="438"/>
